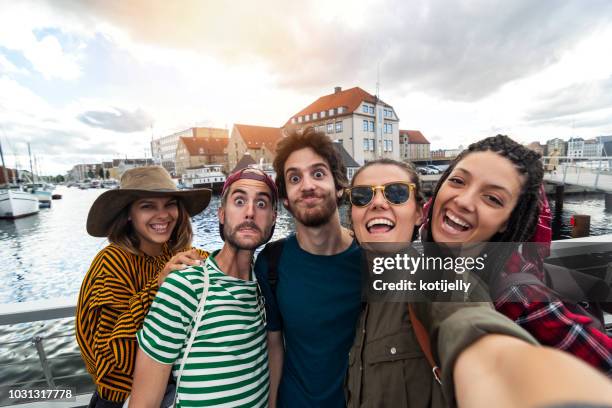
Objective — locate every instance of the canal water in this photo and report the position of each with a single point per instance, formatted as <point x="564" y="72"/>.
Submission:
<point x="45" y="256"/>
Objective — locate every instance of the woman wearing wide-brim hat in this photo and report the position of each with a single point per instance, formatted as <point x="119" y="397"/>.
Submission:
<point x="147" y="222"/>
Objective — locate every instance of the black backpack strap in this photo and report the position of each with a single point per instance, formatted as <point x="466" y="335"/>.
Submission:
<point x="272" y="252"/>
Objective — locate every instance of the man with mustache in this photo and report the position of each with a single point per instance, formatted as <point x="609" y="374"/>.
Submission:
<point x="226" y="363"/>
<point x="311" y="280"/>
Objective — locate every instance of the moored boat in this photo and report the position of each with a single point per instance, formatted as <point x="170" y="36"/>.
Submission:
<point x="205" y="176"/>
<point x="15" y="203"/>
<point x="42" y="191"/>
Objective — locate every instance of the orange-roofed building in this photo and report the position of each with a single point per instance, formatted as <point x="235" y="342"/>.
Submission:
<point x="413" y="146"/>
<point x="367" y="127"/>
<point x="164" y="148"/>
<point x="258" y="141"/>
<point x="198" y="151"/>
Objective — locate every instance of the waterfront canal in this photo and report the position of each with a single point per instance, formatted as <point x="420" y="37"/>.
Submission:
<point x="45" y="256"/>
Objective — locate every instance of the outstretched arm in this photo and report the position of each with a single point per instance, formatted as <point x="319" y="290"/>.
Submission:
<point x="503" y="371"/>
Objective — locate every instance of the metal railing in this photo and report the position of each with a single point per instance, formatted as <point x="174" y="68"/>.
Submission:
<point x="590" y="172"/>
<point x="41" y="311"/>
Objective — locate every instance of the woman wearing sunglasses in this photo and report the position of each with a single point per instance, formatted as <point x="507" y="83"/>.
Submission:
<point x="390" y="364"/>
<point x="506" y="203"/>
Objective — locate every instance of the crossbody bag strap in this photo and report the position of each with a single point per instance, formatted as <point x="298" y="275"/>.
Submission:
<point x="200" y="312"/>
<point x="425" y="343"/>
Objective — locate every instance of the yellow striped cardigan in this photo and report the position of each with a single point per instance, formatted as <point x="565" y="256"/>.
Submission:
<point x="115" y="297"/>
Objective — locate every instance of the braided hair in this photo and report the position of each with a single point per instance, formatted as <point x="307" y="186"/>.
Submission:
<point x="523" y="219"/>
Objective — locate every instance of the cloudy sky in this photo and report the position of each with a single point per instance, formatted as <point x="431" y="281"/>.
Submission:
<point x="91" y="81"/>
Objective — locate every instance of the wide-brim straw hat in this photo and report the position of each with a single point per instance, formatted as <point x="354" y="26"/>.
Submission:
<point x="137" y="183"/>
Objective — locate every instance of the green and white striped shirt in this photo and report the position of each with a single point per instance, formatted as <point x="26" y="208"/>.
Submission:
<point x="228" y="362"/>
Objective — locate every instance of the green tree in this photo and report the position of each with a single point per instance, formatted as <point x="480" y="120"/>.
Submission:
<point x="59" y="178"/>
<point x="101" y="173"/>
<point x="90" y="174"/>
<point x="107" y="174"/>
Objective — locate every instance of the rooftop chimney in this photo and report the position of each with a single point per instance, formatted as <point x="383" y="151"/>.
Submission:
<point x="337" y="89"/>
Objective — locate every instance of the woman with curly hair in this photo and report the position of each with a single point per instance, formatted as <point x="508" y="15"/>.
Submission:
<point x="492" y="192"/>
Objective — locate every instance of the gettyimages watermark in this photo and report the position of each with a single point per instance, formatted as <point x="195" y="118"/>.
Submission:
<point x="490" y="271"/>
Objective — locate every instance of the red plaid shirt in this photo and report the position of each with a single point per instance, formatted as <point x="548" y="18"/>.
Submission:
<point x="554" y="324"/>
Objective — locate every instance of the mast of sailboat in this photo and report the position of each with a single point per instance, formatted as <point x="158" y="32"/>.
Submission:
<point x="31" y="168"/>
<point x="4" y="171"/>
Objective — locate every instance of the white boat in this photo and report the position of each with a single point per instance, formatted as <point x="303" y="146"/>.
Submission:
<point x="42" y="191"/>
<point x="204" y="176"/>
<point x="15" y="203"/>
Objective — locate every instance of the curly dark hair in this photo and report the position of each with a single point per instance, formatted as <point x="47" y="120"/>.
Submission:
<point x="322" y="145"/>
<point x="528" y="163"/>
<point x="524" y="217"/>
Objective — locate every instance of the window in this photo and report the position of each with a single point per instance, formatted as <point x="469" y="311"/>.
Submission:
<point x="299" y="119"/>
<point x="340" y="110"/>
<point x="371" y="110"/>
<point x="371" y="127"/>
<point x="330" y="128"/>
<point x="292" y="120"/>
<point x="388" y="145"/>
<point x="307" y="118"/>
<point x="390" y="127"/>
<point x="365" y="109"/>
<point x="338" y="127"/>
<point x="315" y="116"/>
<point x="331" y="112"/>
<point x="365" y="125"/>
<point x="322" y="114"/>
<point x="368" y="145"/>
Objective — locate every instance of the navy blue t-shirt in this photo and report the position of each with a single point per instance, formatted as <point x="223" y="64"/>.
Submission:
<point x="317" y="303"/>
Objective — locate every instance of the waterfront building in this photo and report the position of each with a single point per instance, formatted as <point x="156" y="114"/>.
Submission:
<point x="558" y="145"/>
<point x="413" y="146"/>
<point x="121" y="165"/>
<point x="198" y="151"/>
<point x="12" y="175"/>
<point x="258" y="141"/>
<point x="606" y="142"/>
<point x="575" y="147"/>
<point x="437" y="154"/>
<point x="537" y="147"/>
<point x="349" y="163"/>
<point x="163" y="149"/>
<point x="83" y="171"/>
<point x="367" y="127"/>
<point x="244" y="162"/>
<point x="592" y="148"/>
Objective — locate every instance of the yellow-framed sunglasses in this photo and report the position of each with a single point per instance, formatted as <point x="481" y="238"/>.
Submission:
<point x="395" y="193"/>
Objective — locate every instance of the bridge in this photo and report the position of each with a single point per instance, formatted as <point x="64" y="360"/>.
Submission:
<point x="564" y="174"/>
<point x="593" y="173"/>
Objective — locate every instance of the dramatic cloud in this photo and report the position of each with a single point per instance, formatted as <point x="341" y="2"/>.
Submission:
<point x="457" y="50"/>
<point x="76" y="76"/>
<point x="574" y="100"/>
<point x="119" y="120"/>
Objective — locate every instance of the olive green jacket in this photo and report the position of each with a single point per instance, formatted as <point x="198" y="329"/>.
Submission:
<point x="386" y="365"/>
